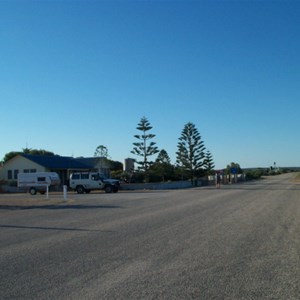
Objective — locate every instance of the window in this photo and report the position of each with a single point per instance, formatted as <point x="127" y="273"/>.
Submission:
<point x="29" y="171"/>
<point x="41" y="179"/>
<point x="85" y="176"/>
<point x="95" y="177"/>
<point x="9" y="174"/>
<point x="76" y="176"/>
<point x="16" y="172"/>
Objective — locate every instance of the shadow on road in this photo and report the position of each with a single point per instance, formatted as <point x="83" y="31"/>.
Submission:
<point x="77" y="206"/>
<point x="48" y="228"/>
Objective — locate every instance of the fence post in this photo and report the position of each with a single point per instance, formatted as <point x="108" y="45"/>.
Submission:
<point x="65" y="192"/>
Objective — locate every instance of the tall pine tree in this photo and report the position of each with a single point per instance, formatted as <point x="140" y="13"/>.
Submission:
<point x="145" y="147"/>
<point x="209" y="163"/>
<point x="190" y="155"/>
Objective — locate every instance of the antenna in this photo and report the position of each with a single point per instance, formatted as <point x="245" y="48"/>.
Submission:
<point x="26" y="148"/>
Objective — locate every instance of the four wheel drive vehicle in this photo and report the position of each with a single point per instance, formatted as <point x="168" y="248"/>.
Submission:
<point x="86" y="181"/>
<point x="38" y="181"/>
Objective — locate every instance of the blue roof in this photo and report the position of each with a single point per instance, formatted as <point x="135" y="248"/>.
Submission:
<point x="57" y="162"/>
<point x="88" y="161"/>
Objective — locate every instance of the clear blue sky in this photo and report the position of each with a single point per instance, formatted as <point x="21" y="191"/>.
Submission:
<point x="78" y="74"/>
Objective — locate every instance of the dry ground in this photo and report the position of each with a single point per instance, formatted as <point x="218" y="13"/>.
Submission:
<point x="23" y="199"/>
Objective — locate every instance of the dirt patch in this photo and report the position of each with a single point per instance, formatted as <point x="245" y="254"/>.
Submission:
<point x="296" y="179"/>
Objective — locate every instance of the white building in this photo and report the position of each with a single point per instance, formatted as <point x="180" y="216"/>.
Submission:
<point x="64" y="166"/>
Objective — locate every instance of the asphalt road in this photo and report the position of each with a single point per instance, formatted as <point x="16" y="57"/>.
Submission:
<point x="237" y="242"/>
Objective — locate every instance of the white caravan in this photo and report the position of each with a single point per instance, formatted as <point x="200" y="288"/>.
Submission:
<point x="38" y="181"/>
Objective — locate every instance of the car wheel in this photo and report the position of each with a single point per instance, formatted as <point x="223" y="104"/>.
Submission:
<point x="80" y="189"/>
<point x="108" y="189"/>
<point x="32" y="191"/>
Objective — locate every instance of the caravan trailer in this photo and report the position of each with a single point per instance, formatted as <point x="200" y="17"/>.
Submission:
<point x="38" y="181"/>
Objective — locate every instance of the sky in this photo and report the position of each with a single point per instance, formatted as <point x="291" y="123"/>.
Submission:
<point x="78" y="74"/>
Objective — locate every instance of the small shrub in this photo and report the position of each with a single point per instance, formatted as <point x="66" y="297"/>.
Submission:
<point x="253" y="175"/>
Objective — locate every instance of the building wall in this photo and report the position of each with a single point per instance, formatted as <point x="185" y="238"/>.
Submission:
<point x="129" y="165"/>
<point x="19" y="164"/>
<point x="1" y="173"/>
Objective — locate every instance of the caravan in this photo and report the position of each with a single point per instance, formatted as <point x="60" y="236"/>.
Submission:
<point x="38" y="181"/>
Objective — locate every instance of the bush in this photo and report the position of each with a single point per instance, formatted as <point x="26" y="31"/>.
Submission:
<point x="255" y="174"/>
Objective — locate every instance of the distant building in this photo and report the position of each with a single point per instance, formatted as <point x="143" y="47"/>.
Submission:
<point x="129" y="165"/>
<point x="63" y="165"/>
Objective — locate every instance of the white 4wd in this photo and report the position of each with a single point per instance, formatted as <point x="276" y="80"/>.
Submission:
<point x="86" y="181"/>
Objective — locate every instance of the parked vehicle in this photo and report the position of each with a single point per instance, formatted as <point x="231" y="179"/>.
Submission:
<point x="84" y="182"/>
<point x="38" y="181"/>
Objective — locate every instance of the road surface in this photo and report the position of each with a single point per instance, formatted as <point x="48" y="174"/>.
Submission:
<point x="237" y="242"/>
